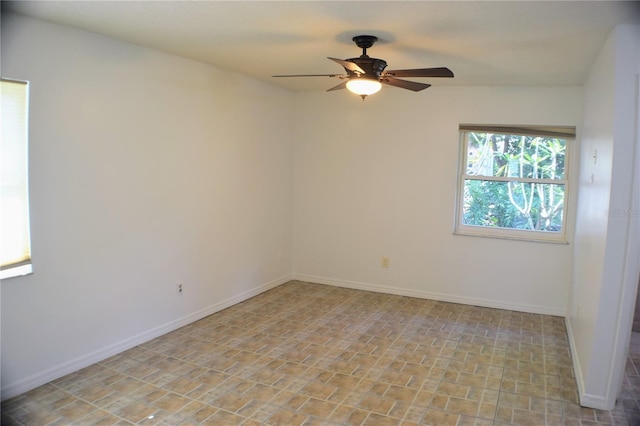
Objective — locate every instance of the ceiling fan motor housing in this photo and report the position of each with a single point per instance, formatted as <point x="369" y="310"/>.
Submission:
<point x="372" y="67"/>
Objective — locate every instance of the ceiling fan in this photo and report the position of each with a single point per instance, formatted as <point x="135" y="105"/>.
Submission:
<point x="366" y="75"/>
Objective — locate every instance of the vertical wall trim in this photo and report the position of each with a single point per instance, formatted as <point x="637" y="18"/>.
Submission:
<point x="627" y="303"/>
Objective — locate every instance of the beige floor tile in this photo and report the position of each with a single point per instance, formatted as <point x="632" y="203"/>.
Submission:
<point x="318" y="408"/>
<point x="172" y="402"/>
<point x="434" y="417"/>
<point x="136" y="411"/>
<point x="196" y="411"/>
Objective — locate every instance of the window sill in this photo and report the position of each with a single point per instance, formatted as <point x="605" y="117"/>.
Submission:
<point x="16" y="271"/>
<point x="503" y="234"/>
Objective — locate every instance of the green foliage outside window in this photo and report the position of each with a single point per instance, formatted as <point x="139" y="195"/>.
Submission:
<point x="514" y="181"/>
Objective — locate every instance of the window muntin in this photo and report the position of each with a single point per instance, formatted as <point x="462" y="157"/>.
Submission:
<point x="513" y="182"/>
<point x="15" y="246"/>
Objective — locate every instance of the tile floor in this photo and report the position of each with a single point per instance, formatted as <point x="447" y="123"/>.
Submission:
<point x="309" y="354"/>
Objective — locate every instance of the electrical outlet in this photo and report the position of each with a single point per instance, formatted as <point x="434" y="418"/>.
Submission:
<point x="179" y="287"/>
<point x="384" y="262"/>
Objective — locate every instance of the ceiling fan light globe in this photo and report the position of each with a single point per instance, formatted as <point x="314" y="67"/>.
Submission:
<point x="364" y="86"/>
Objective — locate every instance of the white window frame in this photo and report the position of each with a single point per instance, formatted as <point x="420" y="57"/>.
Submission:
<point x="563" y="132"/>
<point x="14" y="188"/>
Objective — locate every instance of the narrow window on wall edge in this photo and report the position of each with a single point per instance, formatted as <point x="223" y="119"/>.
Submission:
<point x="15" y="242"/>
<point x="514" y="182"/>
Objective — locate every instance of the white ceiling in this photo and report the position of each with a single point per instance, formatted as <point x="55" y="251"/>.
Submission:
<point x="482" y="42"/>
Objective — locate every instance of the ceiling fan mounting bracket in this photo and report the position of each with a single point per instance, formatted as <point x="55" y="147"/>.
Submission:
<point x="365" y="41"/>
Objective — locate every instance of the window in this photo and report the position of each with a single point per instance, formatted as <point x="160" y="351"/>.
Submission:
<point x="15" y="247"/>
<point x="514" y="182"/>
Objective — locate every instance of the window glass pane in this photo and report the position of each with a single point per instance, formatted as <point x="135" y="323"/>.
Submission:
<point x="514" y="205"/>
<point x="520" y="156"/>
<point x="14" y="207"/>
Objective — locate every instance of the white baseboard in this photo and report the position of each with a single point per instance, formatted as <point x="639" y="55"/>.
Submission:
<point x="442" y="297"/>
<point x="592" y="401"/>
<point x="577" y="367"/>
<point x="12" y="389"/>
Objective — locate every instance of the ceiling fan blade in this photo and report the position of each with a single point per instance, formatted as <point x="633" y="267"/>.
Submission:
<point x="311" y="75"/>
<point x="421" y="72"/>
<point x="348" y="65"/>
<point x="411" y="85"/>
<point x="342" y="85"/>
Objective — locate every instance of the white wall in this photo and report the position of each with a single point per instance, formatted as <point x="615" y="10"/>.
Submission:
<point x="146" y="170"/>
<point x="378" y="178"/>
<point x="606" y="233"/>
